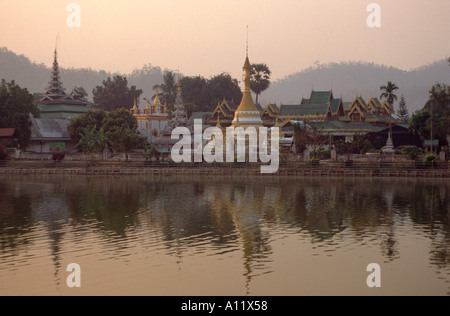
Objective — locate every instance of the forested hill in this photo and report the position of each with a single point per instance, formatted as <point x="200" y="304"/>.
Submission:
<point x="345" y="79"/>
<point x="352" y="78"/>
<point x="35" y="77"/>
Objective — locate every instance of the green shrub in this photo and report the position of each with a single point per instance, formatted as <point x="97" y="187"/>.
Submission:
<point x="3" y="153"/>
<point x="321" y="153"/>
<point x="412" y="151"/>
<point x="430" y="158"/>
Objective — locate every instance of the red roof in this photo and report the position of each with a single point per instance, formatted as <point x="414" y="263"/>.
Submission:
<point x="7" y="132"/>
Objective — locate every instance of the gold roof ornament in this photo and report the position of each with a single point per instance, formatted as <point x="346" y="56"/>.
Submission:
<point x="156" y="100"/>
<point x="135" y="109"/>
<point x="247" y="103"/>
<point x="218" y="122"/>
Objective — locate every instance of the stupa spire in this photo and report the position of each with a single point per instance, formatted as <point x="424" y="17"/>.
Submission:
<point x="247" y="112"/>
<point x="55" y="88"/>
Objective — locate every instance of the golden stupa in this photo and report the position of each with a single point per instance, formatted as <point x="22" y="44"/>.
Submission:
<point x="247" y="113"/>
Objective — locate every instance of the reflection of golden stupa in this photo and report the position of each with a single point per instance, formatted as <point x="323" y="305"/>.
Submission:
<point x="247" y="114"/>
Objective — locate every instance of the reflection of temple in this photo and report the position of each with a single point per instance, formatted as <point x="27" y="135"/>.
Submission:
<point x="153" y="118"/>
<point x="240" y="221"/>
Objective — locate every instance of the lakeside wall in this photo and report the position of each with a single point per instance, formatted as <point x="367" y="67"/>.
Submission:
<point x="441" y="170"/>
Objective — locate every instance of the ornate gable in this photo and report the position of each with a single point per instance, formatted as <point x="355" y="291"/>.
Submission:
<point x="358" y="110"/>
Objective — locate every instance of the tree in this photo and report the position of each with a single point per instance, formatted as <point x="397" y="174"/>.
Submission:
<point x="79" y="124"/>
<point x="193" y="90"/>
<point x="418" y="123"/>
<point x="439" y="105"/>
<point x="309" y="136"/>
<point x="167" y="91"/>
<point x="205" y="94"/>
<point x="3" y="154"/>
<point x="360" y="143"/>
<point x="124" y="139"/>
<point x="120" y="128"/>
<point x="402" y="113"/>
<point x="120" y="117"/>
<point x="92" y="140"/>
<point x="388" y="94"/>
<point x="221" y="87"/>
<point x="97" y="130"/>
<point x="151" y="152"/>
<point x="301" y="139"/>
<point x="16" y="104"/>
<point x="260" y="79"/>
<point x="115" y="94"/>
<point x="190" y="108"/>
<point x="440" y="96"/>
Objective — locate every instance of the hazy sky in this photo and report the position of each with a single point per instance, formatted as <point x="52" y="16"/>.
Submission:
<point x="207" y="37"/>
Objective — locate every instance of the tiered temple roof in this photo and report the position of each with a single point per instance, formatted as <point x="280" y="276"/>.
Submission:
<point x="179" y="115"/>
<point x="56" y="103"/>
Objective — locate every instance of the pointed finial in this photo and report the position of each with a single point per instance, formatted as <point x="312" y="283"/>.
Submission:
<point x="56" y="42"/>
<point x="156" y="100"/>
<point x="247" y="43"/>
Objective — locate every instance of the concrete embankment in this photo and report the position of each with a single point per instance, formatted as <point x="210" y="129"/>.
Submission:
<point x="233" y="172"/>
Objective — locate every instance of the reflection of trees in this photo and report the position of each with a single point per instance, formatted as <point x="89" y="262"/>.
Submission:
<point x="430" y="210"/>
<point x="227" y="215"/>
<point x="15" y="217"/>
<point x="111" y="203"/>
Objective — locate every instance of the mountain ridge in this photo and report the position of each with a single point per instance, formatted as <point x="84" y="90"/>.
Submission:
<point x="347" y="79"/>
<point x="351" y="79"/>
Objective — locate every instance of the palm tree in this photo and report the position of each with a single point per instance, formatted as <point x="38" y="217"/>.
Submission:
<point x="260" y="79"/>
<point x="167" y="91"/>
<point x="388" y="94"/>
<point x="92" y="140"/>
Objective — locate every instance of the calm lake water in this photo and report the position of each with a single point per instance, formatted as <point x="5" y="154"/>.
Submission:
<point x="221" y="236"/>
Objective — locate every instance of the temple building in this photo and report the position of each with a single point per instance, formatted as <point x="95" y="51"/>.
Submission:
<point x="163" y="142"/>
<point x="179" y="114"/>
<point x="223" y="114"/>
<point x="247" y="113"/>
<point x="333" y="116"/>
<point x="270" y="114"/>
<point x="56" y="103"/>
<point x="153" y="118"/>
<point x="50" y="135"/>
<point x="373" y="112"/>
